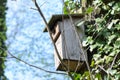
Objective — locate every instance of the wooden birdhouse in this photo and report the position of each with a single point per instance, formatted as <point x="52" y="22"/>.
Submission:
<point x="67" y="37"/>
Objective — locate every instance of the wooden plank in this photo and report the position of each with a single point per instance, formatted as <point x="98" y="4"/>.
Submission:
<point x="71" y="65"/>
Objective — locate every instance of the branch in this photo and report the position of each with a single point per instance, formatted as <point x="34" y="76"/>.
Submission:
<point x="33" y="8"/>
<point x="12" y="56"/>
<point x="47" y="26"/>
<point x="40" y="6"/>
<point x="5" y="57"/>
<point x="114" y="61"/>
<point x="102" y="69"/>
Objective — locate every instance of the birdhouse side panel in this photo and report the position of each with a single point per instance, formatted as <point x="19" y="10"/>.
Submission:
<point x="80" y="28"/>
<point x="60" y="52"/>
<point x="81" y="33"/>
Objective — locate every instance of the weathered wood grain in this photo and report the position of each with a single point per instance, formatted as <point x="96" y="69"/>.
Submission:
<point x="68" y="46"/>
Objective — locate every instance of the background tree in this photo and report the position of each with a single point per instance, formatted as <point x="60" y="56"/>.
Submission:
<point x="3" y="29"/>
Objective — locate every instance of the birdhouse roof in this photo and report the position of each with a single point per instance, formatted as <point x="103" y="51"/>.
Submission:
<point x="59" y="17"/>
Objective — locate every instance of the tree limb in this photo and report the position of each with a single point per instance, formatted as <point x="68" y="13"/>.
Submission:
<point x="12" y="56"/>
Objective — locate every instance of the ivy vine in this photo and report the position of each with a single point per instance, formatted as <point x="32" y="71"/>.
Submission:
<point x="102" y="29"/>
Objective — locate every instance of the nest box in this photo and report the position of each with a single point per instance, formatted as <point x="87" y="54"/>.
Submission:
<point x="67" y="42"/>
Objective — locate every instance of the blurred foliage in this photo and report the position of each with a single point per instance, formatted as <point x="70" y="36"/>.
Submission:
<point x="3" y="29"/>
<point x="71" y="6"/>
<point x="102" y="29"/>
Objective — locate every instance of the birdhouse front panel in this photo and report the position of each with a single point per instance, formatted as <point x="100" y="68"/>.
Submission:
<point x="68" y="45"/>
<point x="68" y="36"/>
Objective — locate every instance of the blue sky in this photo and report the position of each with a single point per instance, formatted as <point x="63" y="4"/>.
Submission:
<point x="27" y="41"/>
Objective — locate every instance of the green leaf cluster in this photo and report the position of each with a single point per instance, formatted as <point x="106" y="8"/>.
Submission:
<point x="71" y="6"/>
<point x="3" y="29"/>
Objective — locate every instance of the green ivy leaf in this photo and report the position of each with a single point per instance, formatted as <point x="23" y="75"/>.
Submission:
<point x="92" y="63"/>
<point x="89" y="10"/>
<point x="117" y="76"/>
<point x="114" y="52"/>
<point x="110" y="38"/>
<point x="113" y="22"/>
<point x="96" y="56"/>
<point x="107" y="48"/>
<point x="85" y="76"/>
<point x="98" y="77"/>
<point x="117" y="43"/>
<point x="99" y="61"/>
<point x="98" y="20"/>
<point x="84" y="43"/>
<point x="108" y="59"/>
<point x="106" y="7"/>
<point x="96" y="2"/>
<point x="65" y="10"/>
<point x="90" y="40"/>
<point x="3" y="66"/>
<point x="110" y="25"/>
<point x="117" y="26"/>
<point x="92" y="47"/>
<point x="112" y="72"/>
<point x="77" y="77"/>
